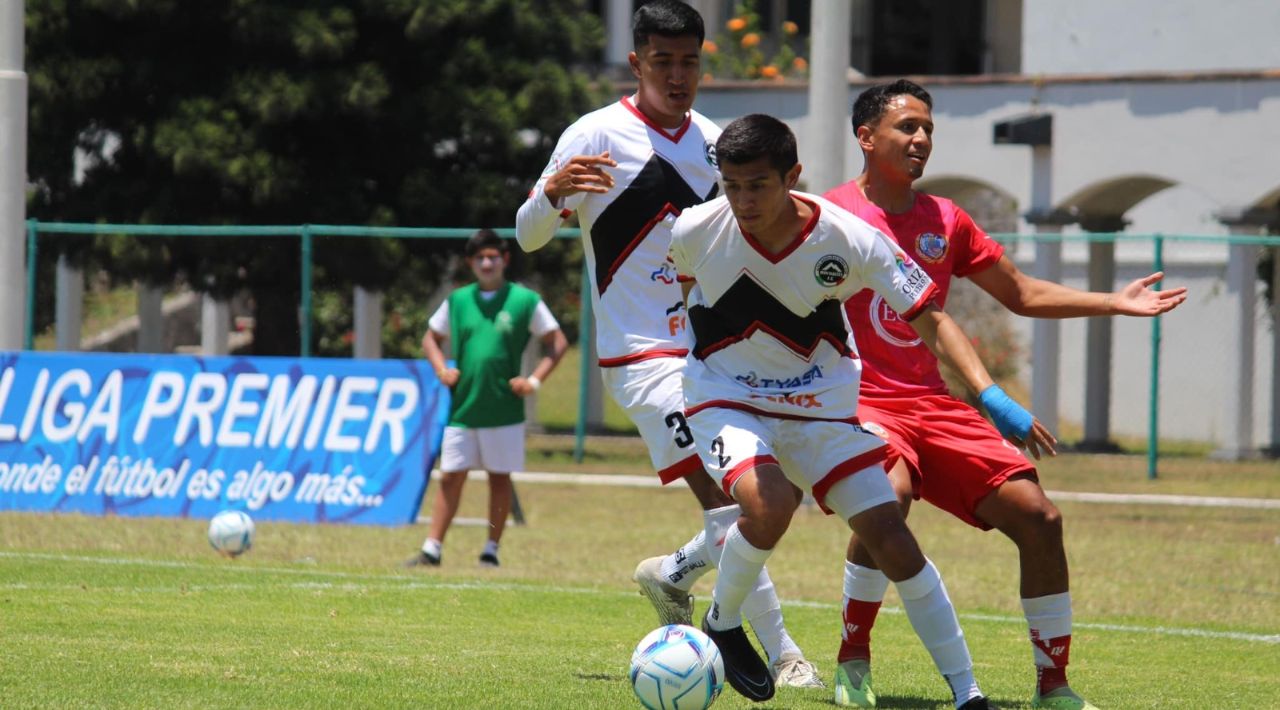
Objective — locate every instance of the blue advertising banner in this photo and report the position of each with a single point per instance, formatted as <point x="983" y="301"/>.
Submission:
<point x="308" y="440"/>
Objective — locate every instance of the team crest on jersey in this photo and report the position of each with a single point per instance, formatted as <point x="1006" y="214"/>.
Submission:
<point x="709" y="151"/>
<point x="503" y="322"/>
<point x="931" y="248"/>
<point x="831" y="270"/>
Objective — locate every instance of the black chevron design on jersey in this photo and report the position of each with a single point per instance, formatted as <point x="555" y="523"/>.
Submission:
<point x="746" y="307"/>
<point x="657" y="191"/>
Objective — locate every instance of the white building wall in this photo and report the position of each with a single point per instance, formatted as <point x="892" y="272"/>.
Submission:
<point x="1095" y="36"/>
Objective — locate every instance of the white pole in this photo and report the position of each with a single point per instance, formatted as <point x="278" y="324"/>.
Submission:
<point x="822" y="147"/>
<point x="1046" y="332"/>
<point x="13" y="175"/>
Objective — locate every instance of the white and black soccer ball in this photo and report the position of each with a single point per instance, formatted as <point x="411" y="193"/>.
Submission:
<point x="231" y="532"/>
<point x="677" y="667"/>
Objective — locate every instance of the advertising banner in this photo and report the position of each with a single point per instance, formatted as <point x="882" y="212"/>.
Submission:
<point x="307" y="440"/>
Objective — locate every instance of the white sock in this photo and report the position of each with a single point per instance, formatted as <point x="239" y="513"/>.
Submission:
<point x="1048" y="617"/>
<point x="740" y="566"/>
<point x="763" y="611"/>
<point x="924" y="597"/>
<point x="866" y="584"/>
<point x="490" y="548"/>
<point x="689" y="562"/>
<point x="431" y="547"/>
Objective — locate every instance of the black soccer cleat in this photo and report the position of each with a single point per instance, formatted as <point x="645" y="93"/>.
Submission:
<point x="422" y="559"/>
<point x="743" y="668"/>
<point x="488" y="559"/>
<point x="978" y="703"/>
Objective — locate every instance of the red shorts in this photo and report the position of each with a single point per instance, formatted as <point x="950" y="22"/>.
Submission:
<point x="955" y="456"/>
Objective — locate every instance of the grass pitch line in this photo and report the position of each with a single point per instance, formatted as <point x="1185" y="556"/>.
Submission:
<point x="596" y="479"/>
<point x="414" y="581"/>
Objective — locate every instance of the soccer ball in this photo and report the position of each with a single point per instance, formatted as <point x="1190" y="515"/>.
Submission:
<point x="677" y="667"/>
<point x="231" y="532"/>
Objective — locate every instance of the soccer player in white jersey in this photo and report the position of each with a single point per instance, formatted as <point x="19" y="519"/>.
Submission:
<point x="771" y="386"/>
<point x="628" y="169"/>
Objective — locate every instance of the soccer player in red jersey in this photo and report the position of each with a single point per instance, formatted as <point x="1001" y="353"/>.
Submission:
<point x="941" y="449"/>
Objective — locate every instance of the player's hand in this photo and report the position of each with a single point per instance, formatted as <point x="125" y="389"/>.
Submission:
<point x="448" y="376"/>
<point x="583" y="173"/>
<point x="1137" y="299"/>
<point x="1038" y="442"/>
<point x="521" y="386"/>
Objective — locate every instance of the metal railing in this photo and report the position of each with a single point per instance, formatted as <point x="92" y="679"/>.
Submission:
<point x="306" y="233"/>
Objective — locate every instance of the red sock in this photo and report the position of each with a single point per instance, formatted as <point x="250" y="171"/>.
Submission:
<point x="859" y="617"/>
<point x="1058" y="651"/>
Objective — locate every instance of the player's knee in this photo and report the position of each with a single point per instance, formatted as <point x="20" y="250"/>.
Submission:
<point x="904" y="501"/>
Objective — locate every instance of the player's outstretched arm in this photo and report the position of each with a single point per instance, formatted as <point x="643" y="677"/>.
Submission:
<point x="1036" y="298"/>
<point x="543" y="211"/>
<point x="954" y="348"/>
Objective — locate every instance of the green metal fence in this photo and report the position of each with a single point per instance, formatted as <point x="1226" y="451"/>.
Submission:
<point x="306" y="234"/>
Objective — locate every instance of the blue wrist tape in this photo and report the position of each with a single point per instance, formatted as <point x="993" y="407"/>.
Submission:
<point x="1008" y="416"/>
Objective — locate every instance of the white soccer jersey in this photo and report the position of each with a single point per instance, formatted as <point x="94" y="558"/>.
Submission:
<point x="771" y="335"/>
<point x="626" y="232"/>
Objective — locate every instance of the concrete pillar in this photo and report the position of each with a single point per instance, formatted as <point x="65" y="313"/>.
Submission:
<point x="150" y="318"/>
<point x="828" y="121"/>
<point x="368" y="324"/>
<point x="13" y="176"/>
<point x="68" y="305"/>
<point x="618" y="42"/>
<point x="1098" y="341"/>
<point x="1273" y="444"/>
<point x="1237" y="441"/>
<point x="1046" y="334"/>
<point x="215" y="326"/>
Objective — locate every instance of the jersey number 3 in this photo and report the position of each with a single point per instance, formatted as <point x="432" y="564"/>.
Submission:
<point x="680" y="427"/>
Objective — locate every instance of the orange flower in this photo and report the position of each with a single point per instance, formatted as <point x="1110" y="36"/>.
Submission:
<point x="800" y="64"/>
<point x="750" y="40"/>
<point x="790" y="27"/>
<point x="769" y="71"/>
<point x="709" y="47"/>
<point x="737" y="24"/>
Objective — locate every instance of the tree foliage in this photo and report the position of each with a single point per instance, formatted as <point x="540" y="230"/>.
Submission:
<point x="372" y="112"/>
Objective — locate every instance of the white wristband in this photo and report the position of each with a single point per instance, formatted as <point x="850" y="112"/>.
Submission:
<point x="534" y="382"/>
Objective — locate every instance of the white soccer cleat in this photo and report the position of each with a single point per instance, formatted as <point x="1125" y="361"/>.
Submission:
<point x="674" y="605"/>
<point x="793" y="671"/>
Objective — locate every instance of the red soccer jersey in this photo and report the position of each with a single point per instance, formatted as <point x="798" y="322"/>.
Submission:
<point x="941" y="238"/>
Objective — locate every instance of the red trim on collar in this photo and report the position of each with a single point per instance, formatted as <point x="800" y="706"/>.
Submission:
<point x="688" y="121"/>
<point x="795" y="243"/>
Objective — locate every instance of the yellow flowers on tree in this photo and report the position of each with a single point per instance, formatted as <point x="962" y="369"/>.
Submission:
<point x="745" y="51"/>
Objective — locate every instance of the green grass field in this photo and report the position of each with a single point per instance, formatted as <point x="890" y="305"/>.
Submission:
<point x="1176" y="607"/>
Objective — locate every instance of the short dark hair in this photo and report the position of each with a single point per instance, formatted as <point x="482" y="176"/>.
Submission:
<point x="758" y="136"/>
<point x="668" y="18"/>
<point x="870" y="105"/>
<point x="486" y="239"/>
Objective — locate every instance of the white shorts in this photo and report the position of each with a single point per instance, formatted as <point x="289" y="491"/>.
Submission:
<point x="498" y="449"/>
<point x="652" y="395"/>
<point x="815" y="455"/>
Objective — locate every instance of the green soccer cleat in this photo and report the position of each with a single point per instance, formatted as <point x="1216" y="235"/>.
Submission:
<point x="1063" y="698"/>
<point x="853" y="684"/>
